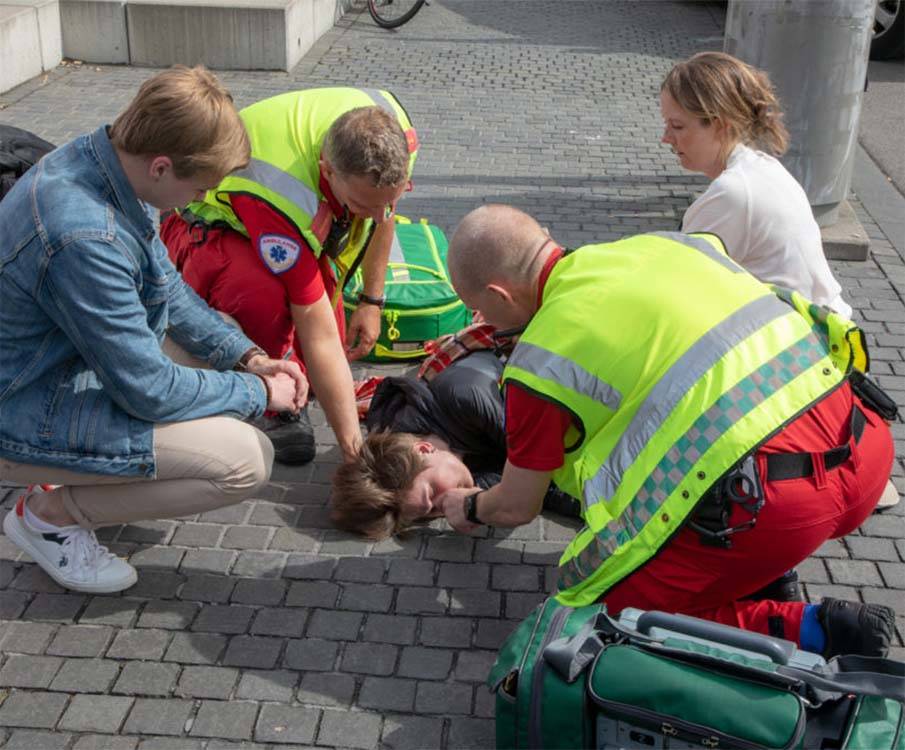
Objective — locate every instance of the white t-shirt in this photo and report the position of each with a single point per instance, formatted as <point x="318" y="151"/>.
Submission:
<point x="762" y="215"/>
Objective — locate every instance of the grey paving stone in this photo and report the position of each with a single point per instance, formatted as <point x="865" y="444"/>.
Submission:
<point x="169" y="743"/>
<point x="228" y="514"/>
<point x="464" y="575"/>
<point x="407" y="572"/>
<point x="106" y="610"/>
<point x="893" y="574"/>
<point x="515" y="578"/>
<point x="168" y="615"/>
<point x="80" y="640"/>
<point x="473" y="665"/>
<point x="884" y="525"/>
<point x="471" y="733"/>
<point x="443" y="698"/>
<point x="387" y="694"/>
<point x="360" y="569"/>
<point x="147" y="532"/>
<point x="398" y="548"/>
<point x="213" y="561"/>
<point x="25" y="671"/>
<point x="832" y="548"/>
<point x="273" y="514"/>
<point x="96" y="713"/>
<point x="296" y="540"/>
<point x="326" y="689"/>
<point x="232" y="720"/>
<point x="370" y="658"/>
<point x="26" y="637"/>
<point x="263" y="592"/>
<point x="491" y="633"/>
<point x="13" y="604"/>
<point x="157" y="584"/>
<point x="518" y="605"/>
<point x="310" y="654"/>
<point x="471" y="603"/>
<point x="34" y="709"/>
<point x="145" y="644"/>
<point x="854" y="572"/>
<point x="349" y="729"/>
<point x="408" y="732"/>
<point x="207" y="682"/>
<point x="158" y="716"/>
<point x="147" y="678"/>
<point x="872" y="548"/>
<point x="484" y="702"/>
<point x="309" y="566"/>
<point x="390" y="629"/>
<point x="452" y="548"/>
<point x="104" y="742"/>
<point x="246" y="537"/>
<point x="32" y="578"/>
<point x="223" y="619"/>
<point x="498" y="550"/>
<point x="425" y="663"/>
<point x="366" y="597"/>
<point x="270" y="685"/>
<point x="206" y="587"/>
<point x="312" y="594"/>
<point x="813" y="570"/>
<point x="195" y="648"/>
<point x="427" y="601"/>
<point x="339" y="626"/>
<point x="253" y="651"/>
<point x="86" y="676"/>
<point x="55" y="607"/>
<point x="286" y="724"/>
<point x="29" y="739"/>
<point x="162" y="558"/>
<point x="260" y="564"/>
<point x="280" y="621"/>
<point x="889" y="597"/>
<point x="197" y="535"/>
<point x="444" y="632"/>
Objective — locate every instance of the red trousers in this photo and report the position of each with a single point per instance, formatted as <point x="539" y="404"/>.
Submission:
<point x="797" y="517"/>
<point x="226" y="271"/>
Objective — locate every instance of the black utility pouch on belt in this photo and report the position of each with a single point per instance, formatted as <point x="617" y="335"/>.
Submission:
<point x="740" y="485"/>
<point x="873" y="396"/>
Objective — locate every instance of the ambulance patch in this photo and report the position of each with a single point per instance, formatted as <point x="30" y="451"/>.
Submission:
<point x="278" y="252"/>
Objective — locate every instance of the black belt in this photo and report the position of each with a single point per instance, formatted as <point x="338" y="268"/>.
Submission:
<point x="795" y="465"/>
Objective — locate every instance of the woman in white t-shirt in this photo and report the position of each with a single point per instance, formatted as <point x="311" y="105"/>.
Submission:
<point x="722" y="119"/>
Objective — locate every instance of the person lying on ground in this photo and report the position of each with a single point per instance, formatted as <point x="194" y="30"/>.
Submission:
<point x="89" y="399"/>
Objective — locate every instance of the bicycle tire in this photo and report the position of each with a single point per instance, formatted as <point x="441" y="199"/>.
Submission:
<point x="391" y="22"/>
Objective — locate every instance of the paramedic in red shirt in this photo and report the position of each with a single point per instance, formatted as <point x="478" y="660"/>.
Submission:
<point x="272" y="244"/>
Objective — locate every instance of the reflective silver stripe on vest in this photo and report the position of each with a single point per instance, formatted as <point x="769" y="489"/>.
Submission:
<point x="699" y="243"/>
<point x="545" y="364"/>
<point x="672" y="387"/>
<point x="281" y="182"/>
<point x="400" y="272"/>
<point x="381" y="101"/>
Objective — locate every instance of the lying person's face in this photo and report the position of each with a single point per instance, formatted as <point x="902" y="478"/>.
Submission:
<point x="443" y="471"/>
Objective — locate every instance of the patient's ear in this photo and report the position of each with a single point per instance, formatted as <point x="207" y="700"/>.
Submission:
<point x="423" y="446"/>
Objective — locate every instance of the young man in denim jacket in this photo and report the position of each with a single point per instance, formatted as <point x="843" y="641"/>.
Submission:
<point x="88" y="399"/>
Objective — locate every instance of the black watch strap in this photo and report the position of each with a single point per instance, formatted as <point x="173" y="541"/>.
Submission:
<point x="471" y="507"/>
<point x="367" y="299"/>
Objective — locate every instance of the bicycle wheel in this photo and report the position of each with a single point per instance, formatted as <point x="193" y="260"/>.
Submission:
<point x="392" y="13"/>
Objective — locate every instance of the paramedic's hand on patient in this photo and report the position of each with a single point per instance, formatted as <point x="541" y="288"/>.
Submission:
<point x="453" y="504"/>
<point x="364" y="328"/>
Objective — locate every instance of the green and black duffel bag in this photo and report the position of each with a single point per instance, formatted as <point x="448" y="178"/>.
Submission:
<point x="576" y="678"/>
<point x="421" y="304"/>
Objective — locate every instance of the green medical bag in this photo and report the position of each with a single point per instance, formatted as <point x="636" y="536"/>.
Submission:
<point x="576" y="678"/>
<point x="421" y="304"/>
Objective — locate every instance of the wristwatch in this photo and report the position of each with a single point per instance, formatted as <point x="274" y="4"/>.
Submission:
<point x="471" y="507"/>
<point x="367" y="299"/>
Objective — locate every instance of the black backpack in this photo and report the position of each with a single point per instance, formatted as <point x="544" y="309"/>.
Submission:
<point x="19" y="151"/>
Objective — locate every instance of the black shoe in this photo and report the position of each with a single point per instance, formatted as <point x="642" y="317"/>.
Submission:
<point x="783" y="589"/>
<point x="292" y="436"/>
<point x="855" y="628"/>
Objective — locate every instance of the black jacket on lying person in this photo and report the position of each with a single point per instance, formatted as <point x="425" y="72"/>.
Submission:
<point x="463" y="405"/>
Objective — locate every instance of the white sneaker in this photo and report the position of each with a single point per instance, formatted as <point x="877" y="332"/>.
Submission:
<point x="889" y="498"/>
<point x="71" y="555"/>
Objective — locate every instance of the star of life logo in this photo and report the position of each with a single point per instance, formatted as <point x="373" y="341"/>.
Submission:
<point x="278" y="252"/>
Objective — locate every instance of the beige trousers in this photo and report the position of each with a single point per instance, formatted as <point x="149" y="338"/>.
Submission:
<point x="202" y="464"/>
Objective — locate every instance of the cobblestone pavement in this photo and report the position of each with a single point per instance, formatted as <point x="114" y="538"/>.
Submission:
<point x="258" y="626"/>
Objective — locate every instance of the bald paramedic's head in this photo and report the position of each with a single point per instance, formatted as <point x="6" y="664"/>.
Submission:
<point x="495" y="258"/>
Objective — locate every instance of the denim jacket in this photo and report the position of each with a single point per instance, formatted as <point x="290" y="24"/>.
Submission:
<point x="87" y="293"/>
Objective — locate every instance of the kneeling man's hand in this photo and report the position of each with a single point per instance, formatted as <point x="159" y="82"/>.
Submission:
<point x="269" y="368"/>
<point x="453" y="504"/>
